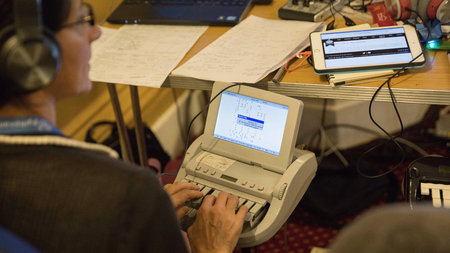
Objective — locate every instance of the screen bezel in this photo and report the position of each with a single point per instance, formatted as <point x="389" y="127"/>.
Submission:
<point x="245" y="154"/>
<point x="319" y="58"/>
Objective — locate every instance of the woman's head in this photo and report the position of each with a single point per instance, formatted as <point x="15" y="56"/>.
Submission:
<point x="66" y="19"/>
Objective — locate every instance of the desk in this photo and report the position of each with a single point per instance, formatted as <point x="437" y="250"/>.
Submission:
<point x="427" y="85"/>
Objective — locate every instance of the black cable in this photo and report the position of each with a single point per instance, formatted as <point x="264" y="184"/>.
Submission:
<point x="391" y="138"/>
<point x="348" y="21"/>
<point x="309" y="59"/>
<point x="355" y="127"/>
<point x="330" y="25"/>
<point x="189" y="129"/>
<point x="361" y="7"/>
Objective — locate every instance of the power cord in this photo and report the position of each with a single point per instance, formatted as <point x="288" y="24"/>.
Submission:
<point x="348" y="21"/>
<point x="369" y="131"/>
<point x="330" y="25"/>
<point x="189" y="129"/>
<point x="362" y="7"/>
<point x="391" y="138"/>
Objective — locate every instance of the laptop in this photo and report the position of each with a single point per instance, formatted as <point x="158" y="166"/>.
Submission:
<point x="181" y="12"/>
<point x="248" y="149"/>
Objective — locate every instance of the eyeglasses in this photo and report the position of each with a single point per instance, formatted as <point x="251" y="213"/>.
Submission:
<point x="87" y="8"/>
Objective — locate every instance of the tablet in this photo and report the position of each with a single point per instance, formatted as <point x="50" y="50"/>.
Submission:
<point x="253" y="126"/>
<point x="369" y="49"/>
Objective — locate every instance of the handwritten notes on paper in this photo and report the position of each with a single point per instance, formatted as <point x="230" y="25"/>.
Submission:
<point x="142" y="54"/>
<point x="249" y="51"/>
<point x="107" y="34"/>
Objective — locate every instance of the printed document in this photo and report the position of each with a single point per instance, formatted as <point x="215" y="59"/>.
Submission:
<point x="250" y="50"/>
<point x="142" y="54"/>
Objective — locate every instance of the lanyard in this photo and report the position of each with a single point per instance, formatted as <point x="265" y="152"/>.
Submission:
<point x="27" y="125"/>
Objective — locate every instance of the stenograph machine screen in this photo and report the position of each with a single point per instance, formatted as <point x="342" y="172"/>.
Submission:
<point x="251" y="122"/>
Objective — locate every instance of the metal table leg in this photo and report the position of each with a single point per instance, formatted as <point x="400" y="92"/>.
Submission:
<point x="139" y="127"/>
<point x="125" y="146"/>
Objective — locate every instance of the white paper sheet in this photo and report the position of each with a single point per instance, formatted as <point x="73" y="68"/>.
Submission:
<point x="142" y="54"/>
<point x="107" y="34"/>
<point x="249" y="51"/>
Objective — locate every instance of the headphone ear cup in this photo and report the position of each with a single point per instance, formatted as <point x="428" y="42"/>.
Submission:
<point x="433" y="7"/>
<point x="31" y="62"/>
<point x="443" y="12"/>
<point x="422" y="8"/>
<point x="404" y="13"/>
<point x="393" y="7"/>
<point x="397" y="8"/>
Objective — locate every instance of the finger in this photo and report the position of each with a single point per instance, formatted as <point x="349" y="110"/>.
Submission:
<point x="182" y="211"/>
<point x="240" y="215"/>
<point x="182" y="196"/>
<point x="232" y="203"/>
<point x="222" y="199"/>
<point x="167" y="186"/>
<point x="179" y="186"/>
<point x="208" y="201"/>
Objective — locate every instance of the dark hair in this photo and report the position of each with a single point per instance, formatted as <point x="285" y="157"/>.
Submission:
<point x="54" y="13"/>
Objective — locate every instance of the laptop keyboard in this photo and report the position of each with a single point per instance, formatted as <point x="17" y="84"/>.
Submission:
<point x="254" y="215"/>
<point x="189" y="2"/>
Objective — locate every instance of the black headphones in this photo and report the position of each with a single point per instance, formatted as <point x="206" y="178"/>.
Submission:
<point x="30" y="55"/>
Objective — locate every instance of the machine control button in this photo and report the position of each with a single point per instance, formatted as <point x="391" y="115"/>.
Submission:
<point x="281" y="191"/>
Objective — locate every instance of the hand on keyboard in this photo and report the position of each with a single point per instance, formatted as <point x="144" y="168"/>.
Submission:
<point x="179" y="193"/>
<point x="217" y="226"/>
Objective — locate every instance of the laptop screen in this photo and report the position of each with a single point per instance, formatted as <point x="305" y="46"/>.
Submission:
<point x="251" y="122"/>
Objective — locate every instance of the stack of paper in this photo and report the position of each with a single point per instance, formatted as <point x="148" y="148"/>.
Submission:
<point x="142" y="54"/>
<point x="250" y="50"/>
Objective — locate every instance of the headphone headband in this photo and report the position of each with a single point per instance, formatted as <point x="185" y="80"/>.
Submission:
<point x="27" y="18"/>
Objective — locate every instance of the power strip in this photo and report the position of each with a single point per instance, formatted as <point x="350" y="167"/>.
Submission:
<point x="308" y="11"/>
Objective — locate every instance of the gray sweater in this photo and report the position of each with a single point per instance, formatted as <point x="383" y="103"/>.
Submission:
<point x="66" y="198"/>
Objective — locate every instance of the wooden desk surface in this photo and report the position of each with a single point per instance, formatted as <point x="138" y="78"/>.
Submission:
<point x="427" y="85"/>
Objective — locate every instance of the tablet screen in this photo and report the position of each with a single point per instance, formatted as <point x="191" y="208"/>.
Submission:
<point x="251" y="122"/>
<point x="367" y="47"/>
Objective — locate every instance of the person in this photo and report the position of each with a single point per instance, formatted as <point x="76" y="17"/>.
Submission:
<point x="396" y="228"/>
<point x="63" y="195"/>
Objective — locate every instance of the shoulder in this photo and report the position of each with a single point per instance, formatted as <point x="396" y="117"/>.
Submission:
<point x="91" y="168"/>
